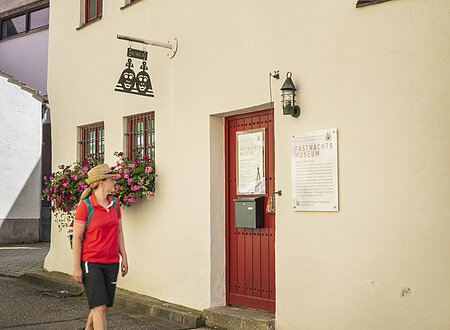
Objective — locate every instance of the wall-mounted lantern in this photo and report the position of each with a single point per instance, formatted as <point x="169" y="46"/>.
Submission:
<point x="288" y="97"/>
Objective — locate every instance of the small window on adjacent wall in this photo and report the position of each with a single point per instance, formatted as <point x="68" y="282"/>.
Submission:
<point x="91" y="142"/>
<point x="139" y="135"/>
<point x="24" y="22"/>
<point x="362" y="3"/>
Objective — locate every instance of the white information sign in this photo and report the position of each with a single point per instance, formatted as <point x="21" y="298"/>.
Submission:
<point x="315" y="171"/>
<point x="250" y="162"/>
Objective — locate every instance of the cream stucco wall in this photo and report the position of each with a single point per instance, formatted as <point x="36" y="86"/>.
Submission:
<point x="379" y="74"/>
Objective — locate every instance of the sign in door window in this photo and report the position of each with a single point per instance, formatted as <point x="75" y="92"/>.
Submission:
<point x="250" y="162"/>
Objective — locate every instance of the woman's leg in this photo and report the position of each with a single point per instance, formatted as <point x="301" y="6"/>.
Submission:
<point x="90" y="321"/>
<point x="99" y="317"/>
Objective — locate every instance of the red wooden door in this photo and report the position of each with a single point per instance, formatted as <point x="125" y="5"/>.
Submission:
<point x="250" y="252"/>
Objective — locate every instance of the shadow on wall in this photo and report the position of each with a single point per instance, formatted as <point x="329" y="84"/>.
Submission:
<point x="22" y="224"/>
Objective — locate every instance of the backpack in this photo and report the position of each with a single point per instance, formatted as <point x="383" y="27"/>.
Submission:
<point x="90" y="211"/>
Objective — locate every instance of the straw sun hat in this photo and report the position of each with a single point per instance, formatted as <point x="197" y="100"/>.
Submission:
<point x="99" y="173"/>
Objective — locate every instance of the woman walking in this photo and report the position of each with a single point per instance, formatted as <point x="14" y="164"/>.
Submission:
<point x="98" y="244"/>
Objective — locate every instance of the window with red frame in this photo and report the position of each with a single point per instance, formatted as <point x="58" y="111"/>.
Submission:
<point x="92" y="9"/>
<point x="91" y="142"/>
<point x="140" y="135"/>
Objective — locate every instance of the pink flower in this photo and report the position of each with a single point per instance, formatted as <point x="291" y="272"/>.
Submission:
<point x="130" y="180"/>
<point x="152" y="194"/>
<point x="85" y="168"/>
<point x="131" y="165"/>
<point x="148" y="169"/>
<point x="140" y="182"/>
<point x="132" y="200"/>
<point x="65" y="184"/>
<point x="135" y="188"/>
<point x="126" y="176"/>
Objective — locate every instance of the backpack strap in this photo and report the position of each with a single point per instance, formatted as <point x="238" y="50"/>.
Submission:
<point x="115" y="204"/>
<point x="90" y="210"/>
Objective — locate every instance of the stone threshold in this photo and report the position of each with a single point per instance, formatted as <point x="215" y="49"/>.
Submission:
<point x="234" y="318"/>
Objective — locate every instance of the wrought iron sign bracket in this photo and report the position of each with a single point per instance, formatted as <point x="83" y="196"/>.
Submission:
<point x="173" y="47"/>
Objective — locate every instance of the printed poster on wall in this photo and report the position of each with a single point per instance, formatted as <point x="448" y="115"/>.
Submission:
<point x="315" y="171"/>
<point x="250" y="162"/>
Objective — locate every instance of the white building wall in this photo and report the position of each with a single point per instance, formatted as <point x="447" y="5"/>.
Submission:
<point x="379" y="74"/>
<point x="20" y="147"/>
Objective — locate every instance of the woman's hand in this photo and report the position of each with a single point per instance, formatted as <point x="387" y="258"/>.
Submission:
<point x="124" y="267"/>
<point x="77" y="275"/>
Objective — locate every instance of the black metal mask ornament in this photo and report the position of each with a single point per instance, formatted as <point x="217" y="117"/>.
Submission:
<point x="143" y="82"/>
<point x="129" y="82"/>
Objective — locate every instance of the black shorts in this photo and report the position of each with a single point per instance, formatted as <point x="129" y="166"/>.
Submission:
<point x="99" y="282"/>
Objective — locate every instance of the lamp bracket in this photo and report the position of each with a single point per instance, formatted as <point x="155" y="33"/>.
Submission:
<point x="275" y="74"/>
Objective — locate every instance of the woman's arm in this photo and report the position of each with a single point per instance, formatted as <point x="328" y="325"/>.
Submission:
<point x="78" y="231"/>
<point x="123" y="253"/>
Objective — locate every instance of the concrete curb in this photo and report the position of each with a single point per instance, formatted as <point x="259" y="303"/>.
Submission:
<point x="134" y="302"/>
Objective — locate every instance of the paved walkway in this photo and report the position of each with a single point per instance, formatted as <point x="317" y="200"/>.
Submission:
<point x="15" y="260"/>
<point x="19" y="259"/>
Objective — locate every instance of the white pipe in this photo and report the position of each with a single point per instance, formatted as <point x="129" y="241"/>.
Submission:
<point x="146" y="42"/>
<point x="173" y="47"/>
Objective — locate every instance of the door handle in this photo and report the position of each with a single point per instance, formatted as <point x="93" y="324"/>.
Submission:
<point x="270" y="209"/>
